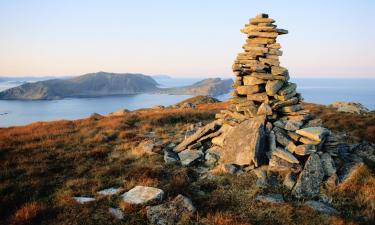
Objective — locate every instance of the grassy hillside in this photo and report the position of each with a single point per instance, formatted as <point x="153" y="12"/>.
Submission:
<point x="43" y="165"/>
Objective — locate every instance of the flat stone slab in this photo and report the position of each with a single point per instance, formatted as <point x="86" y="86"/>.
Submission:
<point x="83" y="200"/>
<point x="314" y="133"/>
<point x="117" y="213"/>
<point x="321" y="207"/>
<point x="143" y="195"/>
<point x="110" y="191"/>
<point x="271" y="198"/>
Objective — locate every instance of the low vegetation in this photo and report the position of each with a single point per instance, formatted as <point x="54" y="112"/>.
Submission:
<point x="43" y="165"/>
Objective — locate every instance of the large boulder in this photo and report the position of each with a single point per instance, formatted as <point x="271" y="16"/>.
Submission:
<point x="171" y="212"/>
<point x="308" y="183"/>
<point x="245" y="144"/>
<point x="143" y="195"/>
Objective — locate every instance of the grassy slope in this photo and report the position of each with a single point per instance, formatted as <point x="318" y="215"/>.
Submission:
<point x="43" y="164"/>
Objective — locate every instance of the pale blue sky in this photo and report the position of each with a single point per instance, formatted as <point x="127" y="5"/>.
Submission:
<point x="328" y="38"/>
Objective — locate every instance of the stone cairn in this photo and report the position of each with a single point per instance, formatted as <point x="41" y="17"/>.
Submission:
<point x="266" y="129"/>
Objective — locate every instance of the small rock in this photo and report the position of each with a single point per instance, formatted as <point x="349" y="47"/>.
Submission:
<point x="143" y="195"/>
<point x="171" y="212"/>
<point x="110" y="191"/>
<point x="83" y="200"/>
<point x="170" y="156"/>
<point x="271" y="198"/>
<point x="231" y="168"/>
<point x="321" y="207"/>
<point x="189" y="157"/>
<point x="211" y="158"/>
<point x="116" y="213"/>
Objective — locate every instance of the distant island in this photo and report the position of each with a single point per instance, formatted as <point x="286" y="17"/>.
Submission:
<point x="106" y="84"/>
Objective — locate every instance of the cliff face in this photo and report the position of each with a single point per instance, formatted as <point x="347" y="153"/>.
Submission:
<point x="103" y="84"/>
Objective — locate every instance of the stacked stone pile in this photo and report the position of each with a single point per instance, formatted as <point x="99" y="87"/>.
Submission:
<point x="266" y="129"/>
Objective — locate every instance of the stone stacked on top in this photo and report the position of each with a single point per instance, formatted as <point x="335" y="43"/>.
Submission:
<point x="266" y="127"/>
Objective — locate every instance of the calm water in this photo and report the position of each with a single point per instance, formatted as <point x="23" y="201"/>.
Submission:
<point x="322" y="91"/>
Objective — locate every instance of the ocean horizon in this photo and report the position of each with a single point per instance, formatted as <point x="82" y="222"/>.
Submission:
<point x="314" y="90"/>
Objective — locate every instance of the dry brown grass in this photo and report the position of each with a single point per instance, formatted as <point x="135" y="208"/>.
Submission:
<point x="45" y="164"/>
<point x="357" y="193"/>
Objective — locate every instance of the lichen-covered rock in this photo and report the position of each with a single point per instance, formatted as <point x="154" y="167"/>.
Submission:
<point x="308" y="183"/>
<point x="245" y="143"/>
<point x="349" y="107"/>
<point x="171" y="212"/>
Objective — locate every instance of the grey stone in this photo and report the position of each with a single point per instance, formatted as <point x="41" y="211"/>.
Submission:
<point x="171" y="212"/>
<point x="245" y="143"/>
<point x="211" y="158"/>
<point x="209" y="128"/>
<point x="285" y="155"/>
<point x="189" y="157"/>
<point x="321" y="207"/>
<point x="117" y="213"/>
<point x="170" y="156"/>
<point x="277" y="164"/>
<point x="309" y="180"/>
<point x="271" y="198"/>
<point x="143" y="195"/>
<point x="328" y="164"/>
<point x="349" y="107"/>
<point x="293" y="125"/>
<point x="231" y="168"/>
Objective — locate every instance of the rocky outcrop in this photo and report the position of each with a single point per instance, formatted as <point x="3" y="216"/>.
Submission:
<point x="349" y="107"/>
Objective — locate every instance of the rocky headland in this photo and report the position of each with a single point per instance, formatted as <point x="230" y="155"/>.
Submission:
<point x="107" y="84"/>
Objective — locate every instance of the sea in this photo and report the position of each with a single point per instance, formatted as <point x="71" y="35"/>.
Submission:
<point x="314" y="90"/>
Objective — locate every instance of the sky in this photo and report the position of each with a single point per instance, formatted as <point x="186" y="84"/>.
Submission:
<point x="191" y="38"/>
